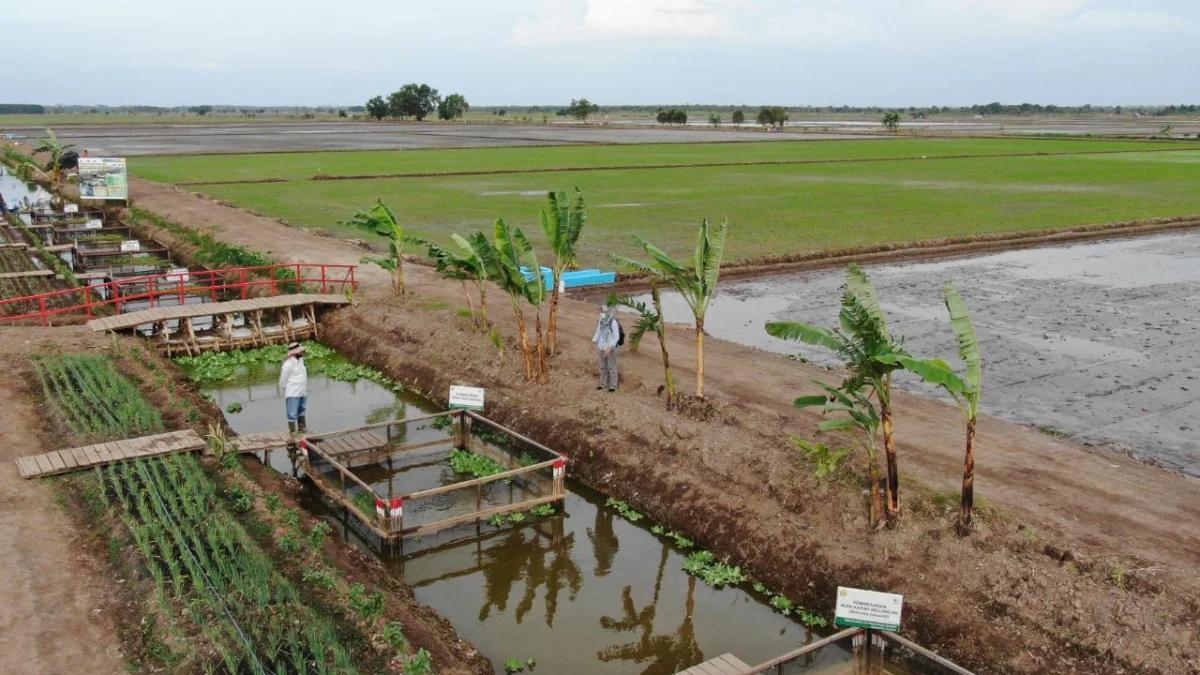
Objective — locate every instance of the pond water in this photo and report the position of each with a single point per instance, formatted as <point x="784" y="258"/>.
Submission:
<point x="17" y="191"/>
<point x="584" y="591"/>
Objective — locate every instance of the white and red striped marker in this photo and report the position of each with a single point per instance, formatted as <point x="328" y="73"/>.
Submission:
<point x="560" y="467"/>
<point x="303" y="444"/>
<point x="397" y="507"/>
<point x="380" y="509"/>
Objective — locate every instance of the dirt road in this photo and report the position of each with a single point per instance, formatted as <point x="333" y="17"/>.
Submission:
<point x="51" y="616"/>
<point x="1074" y="519"/>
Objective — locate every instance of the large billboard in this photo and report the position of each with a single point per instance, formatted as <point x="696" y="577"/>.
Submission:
<point x="103" y="178"/>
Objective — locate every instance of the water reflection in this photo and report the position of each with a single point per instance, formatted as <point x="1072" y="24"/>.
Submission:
<point x="667" y="653"/>
<point x="521" y="556"/>
<point x="604" y="542"/>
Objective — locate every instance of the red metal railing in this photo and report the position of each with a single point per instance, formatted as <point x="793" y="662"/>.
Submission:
<point x="216" y="284"/>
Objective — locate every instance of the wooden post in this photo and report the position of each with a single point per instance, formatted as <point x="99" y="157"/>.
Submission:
<point x="311" y="310"/>
<point x="272" y="281"/>
<point x="323" y="287"/>
<point x="242" y="283"/>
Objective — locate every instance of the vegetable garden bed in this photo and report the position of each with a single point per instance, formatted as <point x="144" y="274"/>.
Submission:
<point x="215" y="597"/>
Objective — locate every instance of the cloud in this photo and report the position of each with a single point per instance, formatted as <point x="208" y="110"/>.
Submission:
<point x="1134" y="21"/>
<point x="1030" y="11"/>
<point x="589" y="20"/>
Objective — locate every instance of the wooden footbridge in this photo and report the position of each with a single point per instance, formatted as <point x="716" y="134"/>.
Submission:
<point x="296" y="319"/>
<point x="192" y="311"/>
<point x="528" y="474"/>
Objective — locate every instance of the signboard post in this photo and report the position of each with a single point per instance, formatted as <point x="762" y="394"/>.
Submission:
<point x="868" y="609"/>
<point x="71" y="208"/>
<point x="466" y="398"/>
<point x="94" y="224"/>
<point x="103" y="178"/>
<point x="131" y="246"/>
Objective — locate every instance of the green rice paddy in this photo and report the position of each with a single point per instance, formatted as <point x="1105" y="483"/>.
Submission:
<point x="772" y="208"/>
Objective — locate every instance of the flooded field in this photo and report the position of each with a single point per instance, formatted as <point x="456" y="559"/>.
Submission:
<point x="583" y="591"/>
<point x="1097" y="341"/>
<point x="170" y="139"/>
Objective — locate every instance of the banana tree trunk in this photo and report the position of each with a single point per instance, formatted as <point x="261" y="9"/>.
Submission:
<point x="656" y="298"/>
<point x="968" y="484"/>
<point x="699" y="357"/>
<point x="483" y="303"/>
<point x="889" y="449"/>
<point x="470" y="306"/>
<point x="878" y="488"/>
<point x="399" y="274"/>
<point x="525" y="350"/>
<point x="552" y="332"/>
<point x="541" y="349"/>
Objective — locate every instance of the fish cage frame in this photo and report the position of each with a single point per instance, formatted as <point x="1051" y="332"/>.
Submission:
<point x="388" y="523"/>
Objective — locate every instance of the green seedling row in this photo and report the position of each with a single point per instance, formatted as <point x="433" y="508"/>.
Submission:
<point x="93" y="399"/>
<point x="203" y="560"/>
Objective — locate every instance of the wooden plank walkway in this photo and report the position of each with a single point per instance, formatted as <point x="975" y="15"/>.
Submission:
<point x="75" y="459"/>
<point x="725" y="664"/>
<point x="360" y="441"/>
<point x="265" y="440"/>
<point x="27" y="275"/>
<point x="134" y="319"/>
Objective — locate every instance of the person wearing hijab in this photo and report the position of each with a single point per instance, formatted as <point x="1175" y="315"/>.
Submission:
<point x="607" y="340"/>
<point x="293" y="380"/>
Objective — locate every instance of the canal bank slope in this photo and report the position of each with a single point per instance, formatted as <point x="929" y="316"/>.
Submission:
<point x="1088" y="562"/>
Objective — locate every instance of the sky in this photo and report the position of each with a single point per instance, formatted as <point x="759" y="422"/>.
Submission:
<point x="514" y="52"/>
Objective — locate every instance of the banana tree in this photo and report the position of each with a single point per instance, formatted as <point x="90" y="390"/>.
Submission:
<point x="965" y="391"/>
<point x="562" y="222"/>
<point x="502" y="262"/>
<point x="868" y="352"/>
<point x="858" y="418"/>
<point x="650" y="320"/>
<point x="52" y="146"/>
<point x="381" y="220"/>
<point x="695" y="280"/>
<point x="464" y="267"/>
<point x="25" y="168"/>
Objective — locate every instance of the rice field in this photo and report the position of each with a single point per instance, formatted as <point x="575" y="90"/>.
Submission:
<point x="772" y="209"/>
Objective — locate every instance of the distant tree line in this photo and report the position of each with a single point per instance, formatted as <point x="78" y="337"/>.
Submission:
<point x="22" y="109"/>
<point x="672" y="116"/>
<point x="417" y="101"/>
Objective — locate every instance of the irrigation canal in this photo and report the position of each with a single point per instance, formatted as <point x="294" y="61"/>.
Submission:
<point x="584" y="591"/>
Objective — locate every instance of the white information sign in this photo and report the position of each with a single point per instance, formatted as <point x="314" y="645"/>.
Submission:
<point x="94" y="224"/>
<point x="466" y="398"/>
<point x="103" y="178"/>
<point x="131" y="246"/>
<point x="178" y="274"/>
<point x="71" y="208"/>
<point x="868" y="609"/>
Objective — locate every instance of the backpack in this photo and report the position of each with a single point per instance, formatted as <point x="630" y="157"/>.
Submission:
<point x="620" y="333"/>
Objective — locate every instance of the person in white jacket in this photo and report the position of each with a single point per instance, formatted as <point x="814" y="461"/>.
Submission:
<point x="293" y="380"/>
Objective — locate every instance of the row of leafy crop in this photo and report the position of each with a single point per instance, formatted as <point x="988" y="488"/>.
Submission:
<point x="92" y="399"/>
<point x="56" y="263"/>
<point x="202" y="560"/>
<point x="225" y="604"/>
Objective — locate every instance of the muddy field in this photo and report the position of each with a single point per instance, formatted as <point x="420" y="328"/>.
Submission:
<point x="1092" y="340"/>
<point x="158" y="139"/>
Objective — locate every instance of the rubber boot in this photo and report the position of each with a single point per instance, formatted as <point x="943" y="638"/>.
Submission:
<point x="302" y="424"/>
<point x="291" y="427"/>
